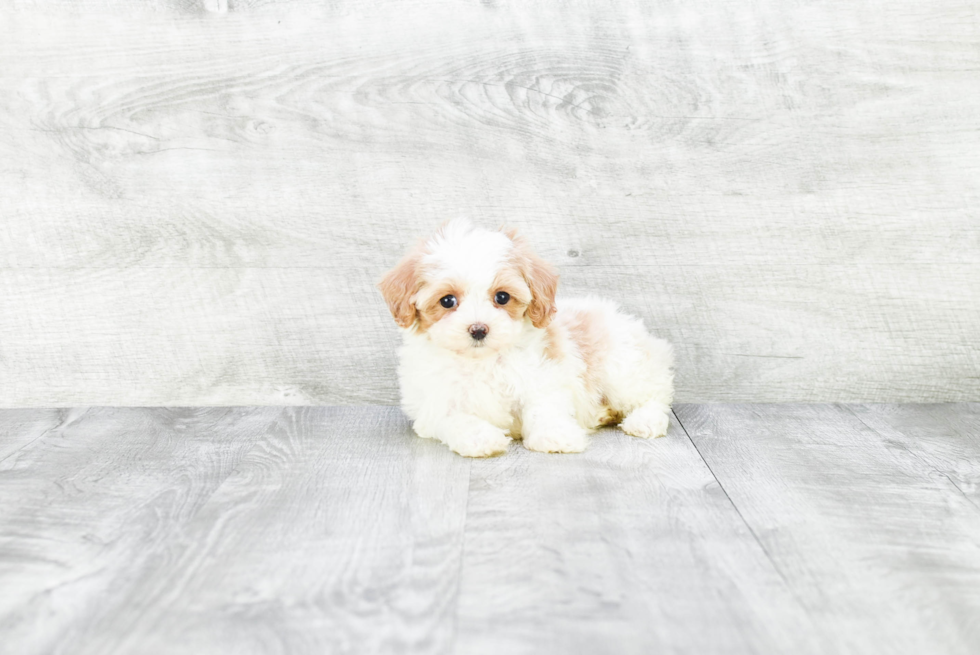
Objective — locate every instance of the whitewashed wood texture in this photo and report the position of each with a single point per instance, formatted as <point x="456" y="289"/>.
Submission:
<point x="197" y="197"/>
<point x="876" y="541"/>
<point x="747" y="529"/>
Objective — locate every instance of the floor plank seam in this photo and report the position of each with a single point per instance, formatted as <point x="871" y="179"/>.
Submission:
<point x="755" y="536"/>
<point x="33" y="441"/>
<point x="915" y="456"/>
<point x="334" y="531"/>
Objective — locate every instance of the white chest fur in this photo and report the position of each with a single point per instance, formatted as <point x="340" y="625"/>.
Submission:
<point x="435" y="382"/>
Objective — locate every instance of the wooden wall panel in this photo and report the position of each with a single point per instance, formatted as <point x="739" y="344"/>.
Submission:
<point x="196" y="197"/>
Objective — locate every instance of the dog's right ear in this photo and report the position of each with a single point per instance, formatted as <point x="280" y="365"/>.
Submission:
<point x="399" y="286"/>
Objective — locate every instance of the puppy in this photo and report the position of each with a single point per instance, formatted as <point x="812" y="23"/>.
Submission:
<point x="489" y="354"/>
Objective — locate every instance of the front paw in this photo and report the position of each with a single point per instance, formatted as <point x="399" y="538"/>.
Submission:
<point x="647" y="421"/>
<point x="484" y="441"/>
<point x="557" y="437"/>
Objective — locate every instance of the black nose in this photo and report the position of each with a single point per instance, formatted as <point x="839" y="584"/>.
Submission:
<point x="479" y="331"/>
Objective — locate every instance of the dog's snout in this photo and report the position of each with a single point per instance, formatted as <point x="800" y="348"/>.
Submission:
<point x="479" y="331"/>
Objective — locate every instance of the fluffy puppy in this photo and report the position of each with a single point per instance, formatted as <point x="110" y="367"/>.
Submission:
<point x="490" y="355"/>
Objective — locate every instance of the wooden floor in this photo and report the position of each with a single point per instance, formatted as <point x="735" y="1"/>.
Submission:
<point x="749" y="529"/>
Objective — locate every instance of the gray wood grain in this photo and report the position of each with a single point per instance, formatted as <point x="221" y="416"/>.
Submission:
<point x="198" y="196"/>
<point x="945" y="437"/>
<point x="631" y="548"/>
<point x="338" y="532"/>
<point x="878" y="544"/>
<point x="89" y="507"/>
<point x="770" y="529"/>
<point x="20" y="428"/>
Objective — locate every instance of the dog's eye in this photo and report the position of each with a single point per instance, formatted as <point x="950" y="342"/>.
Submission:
<point x="501" y="298"/>
<point x="448" y="301"/>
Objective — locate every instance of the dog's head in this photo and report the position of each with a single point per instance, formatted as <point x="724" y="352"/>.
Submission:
<point x="471" y="290"/>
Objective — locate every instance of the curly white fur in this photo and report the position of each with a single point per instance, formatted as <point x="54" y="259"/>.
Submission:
<point x="548" y="370"/>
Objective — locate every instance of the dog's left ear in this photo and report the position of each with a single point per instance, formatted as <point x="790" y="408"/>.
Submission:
<point x="399" y="286"/>
<point x="540" y="276"/>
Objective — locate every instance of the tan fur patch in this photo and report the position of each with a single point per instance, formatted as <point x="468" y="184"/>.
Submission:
<point x="510" y="280"/>
<point x="591" y="337"/>
<point x="400" y="284"/>
<point x="430" y="311"/>
<point x="541" y="279"/>
<point x="553" y="349"/>
<point x="612" y="416"/>
<point x="590" y="334"/>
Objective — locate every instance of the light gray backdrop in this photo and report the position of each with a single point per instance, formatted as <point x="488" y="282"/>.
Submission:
<point x="197" y="197"/>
